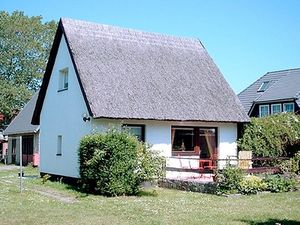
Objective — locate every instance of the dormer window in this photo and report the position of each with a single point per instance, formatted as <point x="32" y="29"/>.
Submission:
<point x="63" y="79"/>
<point x="263" y="86"/>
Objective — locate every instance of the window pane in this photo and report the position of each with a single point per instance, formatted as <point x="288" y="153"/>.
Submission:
<point x="59" y="145"/>
<point x="276" y="108"/>
<point x="263" y="86"/>
<point x="289" y="107"/>
<point x="63" y="79"/>
<point x="263" y="110"/>
<point x="207" y="142"/>
<point x="136" y="130"/>
<point x="183" y="139"/>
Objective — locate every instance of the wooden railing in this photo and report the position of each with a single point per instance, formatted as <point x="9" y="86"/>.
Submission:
<point x="256" y="164"/>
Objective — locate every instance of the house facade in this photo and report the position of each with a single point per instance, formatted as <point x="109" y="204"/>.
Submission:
<point x="166" y="90"/>
<point x="21" y="133"/>
<point x="275" y="92"/>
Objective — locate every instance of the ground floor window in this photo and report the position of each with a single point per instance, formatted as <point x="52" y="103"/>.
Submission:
<point x="136" y="130"/>
<point x="200" y="141"/>
<point x="59" y="145"/>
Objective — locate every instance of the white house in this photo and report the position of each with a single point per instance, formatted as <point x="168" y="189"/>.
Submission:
<point x="166" y="90"/>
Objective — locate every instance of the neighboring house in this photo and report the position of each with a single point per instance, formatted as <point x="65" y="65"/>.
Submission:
<point x="275" y="92"/>
<point x="166" y="90"/>
<point x="21" y="130"/>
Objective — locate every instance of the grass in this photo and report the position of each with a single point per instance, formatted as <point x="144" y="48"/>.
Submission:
<point x="154" y="206"/>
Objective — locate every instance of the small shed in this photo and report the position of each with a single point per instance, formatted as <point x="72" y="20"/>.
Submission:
<point x="21" y="127"/>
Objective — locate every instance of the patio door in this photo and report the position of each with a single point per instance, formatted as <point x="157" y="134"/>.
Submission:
<point x="207" y="142"/>
<point x="208" y="148"/>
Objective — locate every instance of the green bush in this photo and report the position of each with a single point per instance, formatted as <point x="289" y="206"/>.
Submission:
<point x="116" y="163"/>
<point x="252" y="185"/>
<point x="270" y="136"/>
<point x="279" y="183"/>
<point x="228" y="179"/>
<point x="290" y="166"/>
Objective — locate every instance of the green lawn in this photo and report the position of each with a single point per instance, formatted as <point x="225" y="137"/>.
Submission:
<point x="156" y="206"/>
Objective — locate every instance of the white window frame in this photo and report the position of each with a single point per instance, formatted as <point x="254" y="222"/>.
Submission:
<point x="280" y="110"/>
<point x="290" y="103"/>
<point x="59" y="145"/>
<point x="260" y="107"/>
<point x="63" y="79"/>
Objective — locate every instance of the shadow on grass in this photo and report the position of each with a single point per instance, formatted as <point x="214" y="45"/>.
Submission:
<point x="272" y="222"/>
<point x="147" y="193"/>
<point x="78" y="189"/>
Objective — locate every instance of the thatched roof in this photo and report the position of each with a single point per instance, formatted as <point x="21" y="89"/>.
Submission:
<point x="132" y="74"/>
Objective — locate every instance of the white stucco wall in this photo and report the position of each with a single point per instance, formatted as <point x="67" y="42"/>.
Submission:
<point x="62" y="115"/>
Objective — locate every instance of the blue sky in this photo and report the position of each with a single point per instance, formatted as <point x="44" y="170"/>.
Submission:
<point x="246" y="39"/>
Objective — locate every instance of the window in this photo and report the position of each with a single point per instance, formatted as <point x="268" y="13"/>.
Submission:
<point x="263" y="110"/>
<point x="63" y="79"/>
<point x="59" y="145"/>
<point x="136" y="130"/>
<point x="263" y="86"/>
<point x="196" y="140"/>
<point x="288" y="107"/>
<point x="183" y="139"/>
<point x="275" y="108"/>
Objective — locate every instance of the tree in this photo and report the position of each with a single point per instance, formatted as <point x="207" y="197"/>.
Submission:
<point x="25" y="44"/>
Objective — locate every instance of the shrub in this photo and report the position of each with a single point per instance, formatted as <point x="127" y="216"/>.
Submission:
<point x="290" y="166"/>
<point x="252" y="185"/>
<point x="228" y="179"/>
<point x="279" y="183"/>
<point x="270" y="136"/>
<point x="116" y="163"/>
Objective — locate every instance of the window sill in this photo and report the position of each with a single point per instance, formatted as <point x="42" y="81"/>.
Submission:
<point x="62" y="90"/>
<point x="58" y="154"/>
<point x="185" y="153"/>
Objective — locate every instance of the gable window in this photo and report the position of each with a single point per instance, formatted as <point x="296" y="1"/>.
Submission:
<point x="59" y="145"/>
<point x="263" y="110"/>
<point x="136" y="130"/>
<point x="288" y="107"/>
<point x="275" y="108"/>
<point x="63" y="79"/>
<point x="263" y="86"/>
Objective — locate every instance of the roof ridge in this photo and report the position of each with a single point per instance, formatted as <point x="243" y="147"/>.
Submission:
<point x="128" y="32"/>
<point x="276" y="71"/>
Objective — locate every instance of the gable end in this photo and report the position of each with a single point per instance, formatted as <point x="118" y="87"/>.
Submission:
<point x="53" y="53"/>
